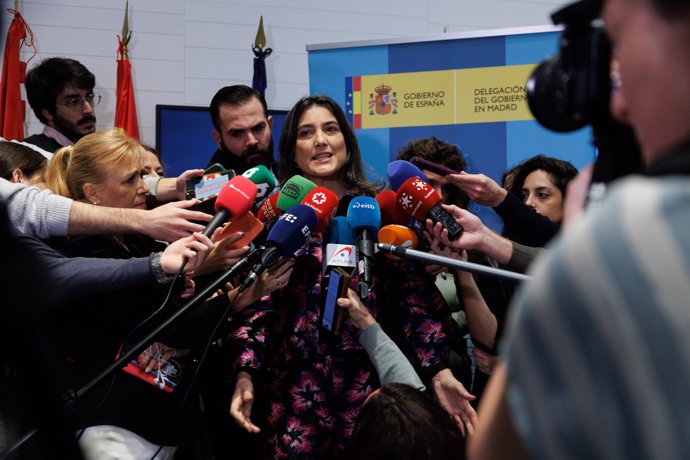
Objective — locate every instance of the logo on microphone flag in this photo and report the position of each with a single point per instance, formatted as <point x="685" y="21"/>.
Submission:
<point x="319" y="198"/>
<point x="340" y="255"/>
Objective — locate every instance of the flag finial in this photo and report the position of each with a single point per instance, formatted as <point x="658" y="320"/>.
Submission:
<point x="260" y="40"/>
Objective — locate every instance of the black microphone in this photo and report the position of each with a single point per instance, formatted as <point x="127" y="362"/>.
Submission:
<point x="290" y="232"/>
<point x="402" y="251"/>
<point x="364" y="217"/>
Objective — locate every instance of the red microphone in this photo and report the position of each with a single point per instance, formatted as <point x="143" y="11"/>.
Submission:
<point x="269" y="211"/>
<point x="418" y="199"/>
<point x="235" y="198"/>
<point x="324" y="202"/>
<point x="390" y="211"/>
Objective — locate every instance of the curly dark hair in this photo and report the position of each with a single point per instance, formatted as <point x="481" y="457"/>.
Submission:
<point x="437" y="151"/>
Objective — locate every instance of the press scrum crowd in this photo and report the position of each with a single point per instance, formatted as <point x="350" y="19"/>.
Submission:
<point x="296" y="331"/>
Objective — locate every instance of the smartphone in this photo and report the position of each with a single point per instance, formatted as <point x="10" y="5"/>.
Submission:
<point x="214" y="168"/>
<point x="207" y="185"/>
<point x="421" y="163"/>
<point x="332" y="316"/>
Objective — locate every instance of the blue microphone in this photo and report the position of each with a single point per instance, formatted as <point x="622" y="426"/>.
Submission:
<point x="400" y="170"/>
<point x="364" y="216"/>
<point x="290" y="232"/>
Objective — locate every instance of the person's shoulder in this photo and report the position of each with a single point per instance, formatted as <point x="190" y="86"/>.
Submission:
<point x="646" y="199"/>
<point x="43" y="144"/>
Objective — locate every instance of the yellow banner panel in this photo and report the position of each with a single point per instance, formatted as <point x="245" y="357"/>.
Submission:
<point x="408" y="99"/>
<point x="491" y="94"/>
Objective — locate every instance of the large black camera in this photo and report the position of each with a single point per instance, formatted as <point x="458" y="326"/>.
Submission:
<point x="573" y="88"/>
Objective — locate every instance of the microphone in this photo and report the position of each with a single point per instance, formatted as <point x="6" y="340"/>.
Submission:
<point x="268" y="210"/>
<point x="324" y="202"/>
<point x="420" y="200"/>
<point x="290" y="232"/>
<point x="263" y="178"/>
<point x="398" y="235"/>
<point x="456" y="264"/>
<point x="339" y="242"/>
<point x="364" y="216"/>
<point x="400" y="170"/>
<point x="390" y="211"/>
<point x="293" y="192"/>
<point x="246" y="223"/>
<point x="234" y="199"/>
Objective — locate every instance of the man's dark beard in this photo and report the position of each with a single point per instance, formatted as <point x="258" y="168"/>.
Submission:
<point x="67" y="128"/>
<point x="253" y="156"/>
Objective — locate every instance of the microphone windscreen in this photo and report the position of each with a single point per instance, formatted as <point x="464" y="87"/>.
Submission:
<point x="339" y="232"/>
<point x="398" y="235"/>
<point x="390" y="211"/>
<point x="400" y="170"/>
<point x="293" y="192"/>
<point x="364" y="213"/>
<point x="263" y="178"/>
<point x="324" y="202"/>
<point x="268" y="210"/>
<point x="247" y="223"/>
<point x="237" y="196"/>
<point x="417" y="197"/>
<point x="292" y="229"/>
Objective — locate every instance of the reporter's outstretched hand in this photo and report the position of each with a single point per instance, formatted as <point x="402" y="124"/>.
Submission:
<point x="479" y="188"/>
<point x="472" y="236"/>
<point x="485" y="361"/>
<point x="194" y="248"/>
<point x="276" y="277"/>
<point x="242" y="401"/>
<point x="455" y="400"/>
<point x="170" y="221"/>
<point x="222" y="257"/>
<point x="156" y="354"/>
<point x="359" y="314"/>
<point x="181" y="181"/>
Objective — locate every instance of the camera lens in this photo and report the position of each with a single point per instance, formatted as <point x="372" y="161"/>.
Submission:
<point x="548" y="97"/>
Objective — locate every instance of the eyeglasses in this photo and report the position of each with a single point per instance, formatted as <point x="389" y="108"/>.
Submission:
<point x="77" y="102"/>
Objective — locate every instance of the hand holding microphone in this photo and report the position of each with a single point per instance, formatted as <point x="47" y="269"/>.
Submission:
<point x="421" y="201"/>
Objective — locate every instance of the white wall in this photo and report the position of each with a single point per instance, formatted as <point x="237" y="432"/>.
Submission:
<point x="183" y="51"/>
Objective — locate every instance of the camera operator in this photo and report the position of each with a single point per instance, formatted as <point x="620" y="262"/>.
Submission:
<point x="596" y="362"/>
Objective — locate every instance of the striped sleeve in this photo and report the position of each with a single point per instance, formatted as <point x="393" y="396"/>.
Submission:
<point x="598" y="347"/>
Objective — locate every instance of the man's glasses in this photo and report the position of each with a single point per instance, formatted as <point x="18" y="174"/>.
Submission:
<point x="77" y="102"/>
